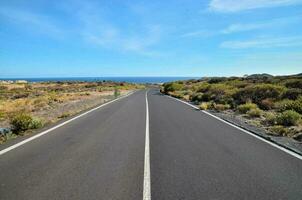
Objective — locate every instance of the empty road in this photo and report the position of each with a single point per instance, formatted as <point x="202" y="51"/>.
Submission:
<point x="148" y="147"/>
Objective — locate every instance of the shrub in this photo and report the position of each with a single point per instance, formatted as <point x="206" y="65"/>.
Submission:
<point x="288" y="118"/>
<point x="258" y="92"/>
<point x="171" y="87"/>
<point x="177" y="95"/>
<point x="270" y="118"/>
<point x="196" y="97"/>
<point x="21" y="122"/>
<point x="36" y="123"/>
<point x="203" y="106"/>
<point x="202" y="87"/>
<point x="278" y="130"/>
<point x="294" y="83"/>
<point x="255" y="112"/>
<point x="266" y="104"/>
<point x="211" y="105"/>
<point x="292" y="93"/>
<point x="116" y="92"/>
<point x="206" y="97"/>
<point x="221" y="107"/>
<point x="244" y="108"/>
<point x="290" y="105"/>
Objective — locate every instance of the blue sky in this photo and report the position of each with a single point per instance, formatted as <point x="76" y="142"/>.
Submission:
<point x="40" y="38"/>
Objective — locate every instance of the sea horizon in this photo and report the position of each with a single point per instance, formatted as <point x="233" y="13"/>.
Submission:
<point x="130" y="79"/>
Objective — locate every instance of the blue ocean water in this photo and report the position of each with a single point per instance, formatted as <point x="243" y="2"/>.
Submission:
<point x="116" y="79"/>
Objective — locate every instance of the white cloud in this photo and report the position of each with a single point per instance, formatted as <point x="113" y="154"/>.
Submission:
<point x="243" y="27"/>
<point x="263" y="43"/>
<point x="278" y="22"/>
<point x="239" y="5"/>
<point x="98" y="29"/>
<point x="240" y="27"/>
<point x="114" y="39"/>
<point x="198" y="33"/>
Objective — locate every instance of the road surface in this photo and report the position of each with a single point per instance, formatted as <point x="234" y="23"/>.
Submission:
<point x="102" y="155"/>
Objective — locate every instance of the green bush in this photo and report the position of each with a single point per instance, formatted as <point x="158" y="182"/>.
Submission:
<point x="36" y="123"/>
<point x="288" y="118"/>
<point x="244" y="108"/>
<point x="278" y="130"/>
<point x="171" y="87"/>
<point x="270" y="118"/>
<point x="116" y="92"/>
<point x="203" y="106"/>
<point x="255" y="112"/>
<point x="257" y="93"/>
<point x="287" y="104"/>
<point x="294" y="83"/>
<point x="202" y="87"/>
<point x="292" y="93"/>
<point x="22" y="122"/>
<point x="196" y="97"/>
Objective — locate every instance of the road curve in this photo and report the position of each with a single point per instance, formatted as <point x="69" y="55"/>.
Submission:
<point x="192" y="156"/>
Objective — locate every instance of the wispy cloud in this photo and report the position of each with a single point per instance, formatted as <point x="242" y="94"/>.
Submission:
<point x="199" y="33"/>
<point x="263" y="43"/>
<point x="114" y="39"/>
<point x="244" y="27"/>
<point x="98" y="29"/>
<point x="235" y="5"/>
<point x="35" y="22"/>
<point x="91" y="23"/>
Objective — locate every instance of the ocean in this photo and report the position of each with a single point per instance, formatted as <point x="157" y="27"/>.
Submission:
<point x="115" y="79"/>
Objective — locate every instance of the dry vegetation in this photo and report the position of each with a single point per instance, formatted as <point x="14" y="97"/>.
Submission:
<point x="272" y="103"/>
<point x="28" y="106"/>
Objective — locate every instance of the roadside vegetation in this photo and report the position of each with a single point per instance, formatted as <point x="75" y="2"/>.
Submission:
<point x="270" y="102"/>
<point x="28" y="106"/>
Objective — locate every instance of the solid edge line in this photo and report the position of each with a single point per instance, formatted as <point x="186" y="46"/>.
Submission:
<point x="147" y="179"/>
<point x="243" y="130"/>
<point x="59" y="125"/>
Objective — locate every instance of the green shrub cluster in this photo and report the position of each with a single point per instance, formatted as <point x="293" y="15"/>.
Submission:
<point x="294" y="83"/>
<point x="287" y="104"/>
<point x="172" y="86"/>
<point x="22" y="122"/>
<point x="244" y="108"/>
<point x="288" y="118"/>
<point x="257" y="93"/>
<point x="275" y="100"/>
<point x="254" y="112"/>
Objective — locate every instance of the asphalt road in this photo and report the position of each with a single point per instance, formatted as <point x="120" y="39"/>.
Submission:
<point x="192" y="156"/>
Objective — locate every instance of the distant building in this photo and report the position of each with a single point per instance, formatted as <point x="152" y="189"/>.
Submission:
<point x="6" y="81"/>
<point x="20" y="81"/>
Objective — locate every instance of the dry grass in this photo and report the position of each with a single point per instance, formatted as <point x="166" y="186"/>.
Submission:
<point x="54" y="101"/>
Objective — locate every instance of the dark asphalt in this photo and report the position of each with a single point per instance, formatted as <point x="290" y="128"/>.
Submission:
<point x="193" y="156"/>
<point x="98" y="156"/>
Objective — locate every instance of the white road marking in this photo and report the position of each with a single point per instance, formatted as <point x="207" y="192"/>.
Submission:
<point x="57" y="126"/>
<point x="243" y="130"/>
<point x="147" y="179"/>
